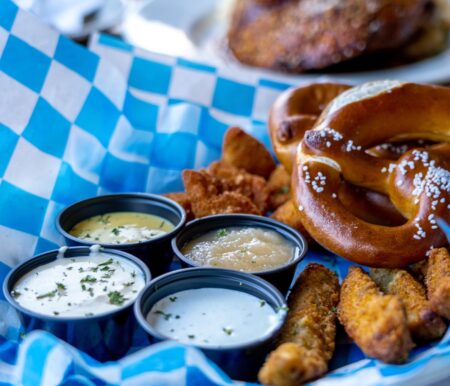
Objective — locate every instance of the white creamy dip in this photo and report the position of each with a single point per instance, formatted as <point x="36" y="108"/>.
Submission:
<point x="80" y="286"/>
<point x="213" y="317"/>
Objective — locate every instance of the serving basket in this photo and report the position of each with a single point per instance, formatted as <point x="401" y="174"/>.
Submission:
<point x="77" y="122"/>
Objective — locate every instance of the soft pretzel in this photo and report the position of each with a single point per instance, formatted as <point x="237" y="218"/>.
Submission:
<point x="296" y="111"/>
<point x="418" y="183"/>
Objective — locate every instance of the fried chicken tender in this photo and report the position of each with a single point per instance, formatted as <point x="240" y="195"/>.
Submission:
<point x="437" y="280"/>
<point x="308" y="337"/>
<point x="423" y="323"/>
<point x="207" y="196"/>
<point x="238" y="180"/>
<point x="288" y="214"/>
<point x="183" y="199"/>
<point x="376" y="322"/>
<point x="279" y="187"/>
<point x="243" y="151"/>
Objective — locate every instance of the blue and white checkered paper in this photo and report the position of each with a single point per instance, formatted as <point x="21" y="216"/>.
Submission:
<point x="75" y="123"/>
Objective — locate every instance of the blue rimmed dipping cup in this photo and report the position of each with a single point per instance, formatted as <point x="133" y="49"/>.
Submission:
<point x="241" y="361"/>
<point x="281" y="277"/>
<point x="104" y="336"/>
<point x="157" y="252"/>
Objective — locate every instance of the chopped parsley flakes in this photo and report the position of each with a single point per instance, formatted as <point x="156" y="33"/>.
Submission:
<point x="166" y="316"/>
<point x="50" y="294"/>
<point x="227" y="331"/>
<point x="115" y="297"/>
<point x="222" y="232"/>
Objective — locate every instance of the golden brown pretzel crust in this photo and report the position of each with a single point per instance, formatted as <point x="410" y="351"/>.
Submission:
<point x="308" y="337"/>
<point x="417" y="183"/>
<point x="299" y="35"/>
<point x="295" y="111"/>
<point x="376" y="322"/>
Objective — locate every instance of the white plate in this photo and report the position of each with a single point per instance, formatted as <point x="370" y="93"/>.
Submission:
<point x="196" y="29"/>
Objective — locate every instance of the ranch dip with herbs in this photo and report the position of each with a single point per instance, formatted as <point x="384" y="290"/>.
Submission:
<point x="213" y="317"/>
<point x="121" y="228"/>
<point x="248" y="249"/>
<point x="80" y="286"/>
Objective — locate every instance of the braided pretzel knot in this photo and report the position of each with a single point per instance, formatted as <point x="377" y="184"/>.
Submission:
<point x="297" y="110"/>
<point x="418" y="183"/>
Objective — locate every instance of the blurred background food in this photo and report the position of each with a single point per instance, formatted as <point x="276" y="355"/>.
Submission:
<point x="289" y="36"/>
<point x="344" y="35"/>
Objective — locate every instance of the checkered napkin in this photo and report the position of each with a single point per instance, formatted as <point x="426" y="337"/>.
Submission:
<point x="75" y="123"/>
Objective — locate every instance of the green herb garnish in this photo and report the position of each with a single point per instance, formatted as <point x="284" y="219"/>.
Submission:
<point x="165" y="315"/>
<point x="107" y="262"/>
<point x="191" y="336"/>
<point x="173" y="298"/>
<point x="55" y="313"/>
<point x="88" y="279"/>
<point x="50" y="294"/>
<point x="91" y="291"/>
<point x="262" y="303"/>
<point x="222" y="232"/>
<point x="115" y="297"/>
<point x="129" y="284"/>
<point x="15" y="293"/>
<point x="61" y="286"/>
<point x="284" y="308"/>
<point x="104" y="219"/>
<point x="115" y="231"/>
<point x="227" y="331"/>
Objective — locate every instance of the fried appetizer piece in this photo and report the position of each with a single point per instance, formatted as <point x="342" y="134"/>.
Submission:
<point x="288" y="214"/>
<point x="183" y="199"/>
<point x="437" y="280"/>
<point x="419" y="270"/>
<point x="242" y="151"/>
<point x="307" y="338"/>
<point x="423" y="323"/>
<point x="279" y="187"/>
<point x="376" y="322"/>
<point x="237" y="180"/>
<point x="207" y="197"/>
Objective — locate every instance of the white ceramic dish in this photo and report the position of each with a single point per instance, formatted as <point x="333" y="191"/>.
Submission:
<point x="196" y="29"/>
